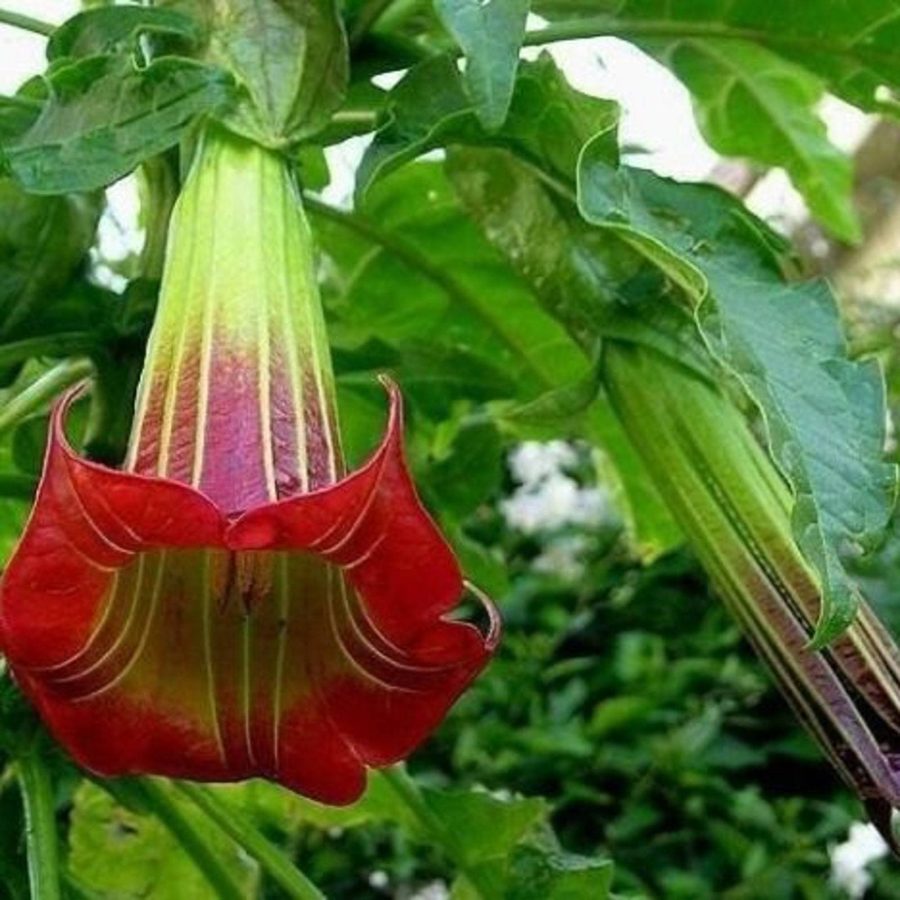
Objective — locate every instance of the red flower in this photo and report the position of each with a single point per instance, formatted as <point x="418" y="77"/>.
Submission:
<point x="231" y="606"/>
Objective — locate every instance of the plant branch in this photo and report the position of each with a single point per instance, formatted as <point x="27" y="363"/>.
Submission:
<point x="41" y="392"/>
<point x="291" y="880"/>
<point x="609" y="26"/>
<point x="40" y="826"/>
<point x="26" y="23"/>
<point x="70" y="343"/>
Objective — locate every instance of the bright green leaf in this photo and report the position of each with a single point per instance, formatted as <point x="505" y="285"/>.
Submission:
<point x="595" y="291"/>
<point x="129" y="856"/>
<point x="548" y="121"/>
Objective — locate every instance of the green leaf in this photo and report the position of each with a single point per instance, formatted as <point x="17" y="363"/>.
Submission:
<point x="44" y="243"/>
<point x="548" y="120"/>
<point x="541" y="873"/>
<point x="824" y="414"/>
<point x="125" y="854"/>
<point x="290" y="58"/>
<point x="750" y="102"/>
<point x="475" y="306"/>
<point x="485" y="827"/>
<point x="111" y="28"/>
<point x="104" y="117"/>
<point x="490" y="33"/>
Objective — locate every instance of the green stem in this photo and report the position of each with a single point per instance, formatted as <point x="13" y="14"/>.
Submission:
<point x="17" y="487"/>
<point x="70" y="343"/>
<point x="40" y="826"/>
<point x="27" y="23"/>
<point x="37" y="395"/>
<point x="366" y="18"/>
<point x="610" y="26"/>
<point x="406" y="790"/>
<point x="160" y="802"/>
<point x="291" y="880"/>
<point x="159" y="190"/>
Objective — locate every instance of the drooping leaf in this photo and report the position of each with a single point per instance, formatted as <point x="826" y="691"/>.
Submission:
<point x="104" y="117"/>
<point x="548" y="121"/>
<point x="485" y="826"/>
<point x="289" y="56"/>
<point x="824" y="414"/>
<point x="490" y="34"/>
<point x="750" y="102"/>
<point x="107" y="29"/>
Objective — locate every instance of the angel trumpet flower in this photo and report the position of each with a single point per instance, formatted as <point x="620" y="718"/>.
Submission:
<point x="231" y="604"/>
<point x="735" y="511"/>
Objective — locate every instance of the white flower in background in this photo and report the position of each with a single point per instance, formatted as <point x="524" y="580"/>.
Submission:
<point x="562" y="557"/>
<point x="548" y="499"/>
<point x="437" y="890"/>
<point x="850" y="860"/>
<point x="532" y="461"/>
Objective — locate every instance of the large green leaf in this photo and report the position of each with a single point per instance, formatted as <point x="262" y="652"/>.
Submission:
<point x="476" y="305"/>
<point x="490" y="35"/>
<point x="751" y="102"/>
<point x="824" y="414"/>
<point x="104" y="117"/>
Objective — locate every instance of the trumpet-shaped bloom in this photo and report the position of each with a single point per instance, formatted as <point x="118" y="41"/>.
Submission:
<point x="231" y="603"/>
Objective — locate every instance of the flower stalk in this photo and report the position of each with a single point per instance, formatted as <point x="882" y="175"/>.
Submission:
<point x="735" y="510"/>
<point x="40" y="825"/>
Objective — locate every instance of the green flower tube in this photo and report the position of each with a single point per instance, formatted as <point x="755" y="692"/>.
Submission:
<point x="734" y="508"/>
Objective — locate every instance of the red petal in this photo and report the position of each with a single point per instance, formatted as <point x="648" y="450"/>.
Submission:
<point x="302" y="642"/>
